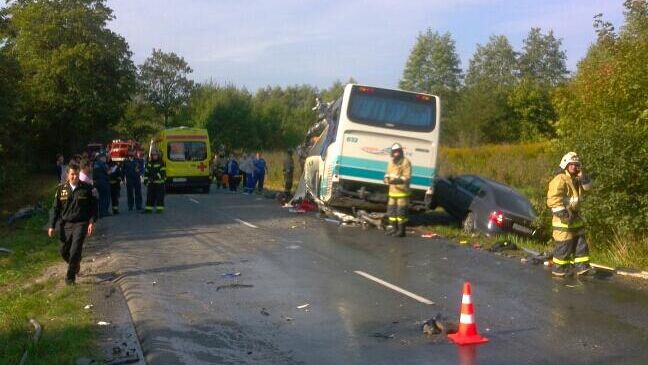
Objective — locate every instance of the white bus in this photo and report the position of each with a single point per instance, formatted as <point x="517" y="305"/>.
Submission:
<point x="348" y="163"/>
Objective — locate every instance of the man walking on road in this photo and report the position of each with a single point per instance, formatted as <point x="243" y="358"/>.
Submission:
<point x="132" y="172"/>
<point x="154" y="179"/>
<point x="564" y="196"/>
<point x="399" y="173"/>
<point x="288" y="170"/>
<point x="76" y="209"/>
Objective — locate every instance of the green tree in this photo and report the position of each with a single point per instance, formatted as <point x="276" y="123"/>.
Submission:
<point x="77" y="74"/>
<point x="542" y="58"/>
<point x="533" y="111"/>
<point x="433" y="65"/>
<point x="165" y="83"/>
<point x="603" y="116"/>
<point x="494" y="63"/>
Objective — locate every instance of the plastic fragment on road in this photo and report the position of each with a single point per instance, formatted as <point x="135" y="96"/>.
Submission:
<point x="304" y="306"/>
<point x="296" y="210"/>
<point x="88" y="307"/>
<point x="264" y="312"/>
<point x="231" y="274"/>
<point x="334" y="221"/>
<point x="430" y="235"/>
<point x="103" y="323"/>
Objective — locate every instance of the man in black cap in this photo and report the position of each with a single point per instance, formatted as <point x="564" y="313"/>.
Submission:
<point x="76" y="208"/>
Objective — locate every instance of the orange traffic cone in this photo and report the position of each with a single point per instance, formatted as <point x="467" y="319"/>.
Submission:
<point x="467" y="334"/>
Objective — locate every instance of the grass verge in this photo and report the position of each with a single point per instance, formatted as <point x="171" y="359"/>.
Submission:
<point x="27" y="292"/>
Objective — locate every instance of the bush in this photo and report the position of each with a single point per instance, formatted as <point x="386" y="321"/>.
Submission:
<point x="603" y="116"/>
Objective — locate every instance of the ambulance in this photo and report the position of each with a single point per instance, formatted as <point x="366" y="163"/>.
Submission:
<point x="185" y="152"/>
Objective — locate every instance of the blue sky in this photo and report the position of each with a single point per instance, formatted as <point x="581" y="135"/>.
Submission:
<point x="254" y="43"/>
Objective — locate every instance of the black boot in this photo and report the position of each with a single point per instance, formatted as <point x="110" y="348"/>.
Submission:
<point x="401" y="230"/>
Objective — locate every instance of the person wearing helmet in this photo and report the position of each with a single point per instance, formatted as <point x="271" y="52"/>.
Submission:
<point x="564" y="196"/>
<point x="399" y="173"/>
<point x="154" y="179"/>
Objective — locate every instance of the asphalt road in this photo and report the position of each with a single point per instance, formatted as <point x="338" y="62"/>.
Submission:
<point x="171" y="268"/>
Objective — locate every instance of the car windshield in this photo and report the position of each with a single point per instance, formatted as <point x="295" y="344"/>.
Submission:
<point x="510" y="200"/>
<point x="187" y="151"/>
<point x="392" y="109"/>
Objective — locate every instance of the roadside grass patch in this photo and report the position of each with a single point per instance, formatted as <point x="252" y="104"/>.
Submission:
<point x="25" y="292"/>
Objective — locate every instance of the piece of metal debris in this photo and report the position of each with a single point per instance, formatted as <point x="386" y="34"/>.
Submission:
<point x="304" y="306"/>
<point x="233" y="286"/>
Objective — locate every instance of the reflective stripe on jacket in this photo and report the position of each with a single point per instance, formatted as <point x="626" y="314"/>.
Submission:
<point x="155" y="172"/>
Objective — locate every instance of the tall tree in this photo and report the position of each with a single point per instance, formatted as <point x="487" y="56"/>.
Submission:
<point x="77" y="74"/>
<point x="603" y="115"/>
<point x="495" y="63"/>
<point x="164" y="79"/>
<point x="433" y="65"/>
<point x="543" y="59"/>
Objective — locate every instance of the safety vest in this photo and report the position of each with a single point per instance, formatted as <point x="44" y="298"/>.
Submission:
<point x="401" y="170"/>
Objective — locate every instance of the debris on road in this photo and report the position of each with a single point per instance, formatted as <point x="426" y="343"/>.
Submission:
<point x="524" y="260"/>
<point x="293" y="247"/>
<point x="383" y="335"/>
<point x="88" y="307"/>
<point x="334" y="221"/>
<point x="304" y="306"/>
<point x="500" y="246"/>
<point x="154" y="282"/>
<point x="265" y="312"/>
<point x="288" y="319"/>
<point x="296" y="210"/>
<point x="632" y="273"/>
<point x="233" y="286"/>
<point x="103" y="323"/>
<point x="431" y="235"/>
<point x="231" y="274"/>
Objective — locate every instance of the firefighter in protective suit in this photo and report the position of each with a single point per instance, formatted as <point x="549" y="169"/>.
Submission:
<point x="399" y="173"/>
<point x="154" y="179"/>
<point x="564" y="196"/>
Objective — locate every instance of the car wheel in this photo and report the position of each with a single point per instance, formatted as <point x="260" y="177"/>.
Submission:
<point x="468" y="224"/>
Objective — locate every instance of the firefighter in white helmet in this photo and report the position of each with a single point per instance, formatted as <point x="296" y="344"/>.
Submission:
<point x="564" y="196"/>
<point x="399" y="173"/>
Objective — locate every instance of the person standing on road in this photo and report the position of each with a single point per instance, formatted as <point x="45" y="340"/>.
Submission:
<point x="219" y="171"/>
<point x="154" y="179"/>
<point x="260" y="169"/>
<point x="232" y="173"/>
<point x="288" y="170"/>
<point x="399" y="173"/>
<point x="102" y="183"/>
<point x="116" y="176"/>
<point x="564" y="196"/>
<point x="132" y="173"/>
<point x="76" y="209"/>
<point x="247" y="170"/>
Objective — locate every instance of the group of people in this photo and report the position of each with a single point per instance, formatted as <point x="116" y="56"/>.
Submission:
<point x="89" y="186"/>
<point x="248" y="169"/>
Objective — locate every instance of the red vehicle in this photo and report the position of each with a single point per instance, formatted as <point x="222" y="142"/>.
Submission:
<point x="119" y="149"/>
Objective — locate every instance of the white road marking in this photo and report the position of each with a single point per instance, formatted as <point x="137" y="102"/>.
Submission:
<point x="194" y="200"/>
<point x="245" y="223"/>
<point x="394" y="287"/>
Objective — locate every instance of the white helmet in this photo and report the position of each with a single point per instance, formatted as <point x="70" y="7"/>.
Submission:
<point x="396" y="146"/>
<point x="570" y="157"/>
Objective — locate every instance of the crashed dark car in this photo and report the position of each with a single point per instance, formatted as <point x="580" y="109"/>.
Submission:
<point x="484" y="205"/>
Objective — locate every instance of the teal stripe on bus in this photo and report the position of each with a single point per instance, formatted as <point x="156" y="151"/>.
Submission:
<point x="378" y="175"/>
<point x="363" y="163"/>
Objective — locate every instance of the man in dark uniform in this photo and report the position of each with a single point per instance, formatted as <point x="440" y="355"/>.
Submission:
<point x="115" y="174"/>
<point x="76" y="209"/>
<point x="132" y="173"/>
<point x="102" y="183"/>
<point x="154" y="179"/>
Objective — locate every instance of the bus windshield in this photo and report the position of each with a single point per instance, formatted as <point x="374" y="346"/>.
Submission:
<point x="187" y="151"/>
<point x="392" y="109"/>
